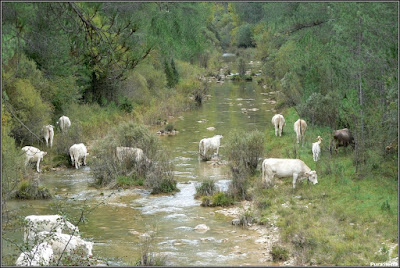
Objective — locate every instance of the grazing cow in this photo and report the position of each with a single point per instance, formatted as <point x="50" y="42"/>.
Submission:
<point x="316" y="149"/>
<point x="78" y="152"/>
<point x="33" y="154"/>
<point x="64" y="123"/>
<point x="300" y="127"/>
<point x="342" y="137"/>
<point x="209" y="145"/>
<point x="35" y="224"/>
<point x="40" y="255"/>
<point x="127" y="153"/>
<point x="281" y="168"/>
<point x="48" y="134"/>
<point x="279" y="122"/>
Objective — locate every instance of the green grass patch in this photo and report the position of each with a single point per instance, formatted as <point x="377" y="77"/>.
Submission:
<point x="125" y="181"/>
<point x="342" y="220"/>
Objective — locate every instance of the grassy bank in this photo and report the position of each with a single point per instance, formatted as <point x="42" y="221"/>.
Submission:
<point x="344" y="219"/>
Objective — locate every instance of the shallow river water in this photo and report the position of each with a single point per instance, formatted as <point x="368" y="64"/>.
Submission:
<point x="116" y="226"/>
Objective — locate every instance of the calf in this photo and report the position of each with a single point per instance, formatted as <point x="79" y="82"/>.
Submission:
<point x="316" y="149"/>
<point x="279" y="122"/>
<point x="300" y="127"/>
<point x="77" y="153"/>
<point x="209" y="145"/>
<point x="64" y="123"/>
<point x="281" y="168"/>
<point x="342" y="138"/>
<point x="48" y="134"/>
<point x="33" y="154"/>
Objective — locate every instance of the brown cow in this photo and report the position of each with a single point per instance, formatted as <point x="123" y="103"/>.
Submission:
<point x="342" y="138"/>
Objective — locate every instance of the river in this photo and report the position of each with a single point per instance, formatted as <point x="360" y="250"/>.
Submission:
<point x="116" y="226"/>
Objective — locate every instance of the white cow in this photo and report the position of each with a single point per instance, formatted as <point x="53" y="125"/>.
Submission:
<point x="33" y="154"/>
<point x="300" y="127"/>
<point x="316" y="149"/>
<point x="281" y="168"/>
<point x="48" y="134"/>
<point x="78" y="152"/>
<point x="64" y="123"/>
<point x="209" y="145"/>
<point x="279" y="122"/>
<point x="124" y="153"/>
<point x="40" y="255"/>
<point x="49" y="223"/>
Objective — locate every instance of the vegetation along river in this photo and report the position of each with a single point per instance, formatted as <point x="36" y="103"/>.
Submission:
<point x="118" y="226"/>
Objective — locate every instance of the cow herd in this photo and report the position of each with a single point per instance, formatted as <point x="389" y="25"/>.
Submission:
<point x="77" y="152"/>
<point x="279" y="167"/>
<point x="208" y="147"/>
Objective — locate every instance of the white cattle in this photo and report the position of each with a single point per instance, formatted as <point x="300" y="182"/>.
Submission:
<point x="316" y="149"/>
<point x="33" y="154"/>
<point x="125" y="153"/>
<point x="64" y="123"/>
<point x="78" y="152"/>
<point x="48" y="134"/>
<point x="50" y="223"/>
<point x="40" y="255"/>
<point x="281" y="168"/>
<point x="69" y="242"/>
<point x="300" y="127"/>
<point x="279" y="122"/>
<point x="209" y="145"/>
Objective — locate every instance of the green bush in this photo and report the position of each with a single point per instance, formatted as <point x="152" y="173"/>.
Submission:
<point x="12" y="162"/>
<point x="207" y="188"/>
<point x="245" y="148"/>
<point x="279" y="253"/>
<point x="29" y="190"/>
<point x="169" y="127"/>
<point x="221" y="199"/>
<point x="156" y="169"/>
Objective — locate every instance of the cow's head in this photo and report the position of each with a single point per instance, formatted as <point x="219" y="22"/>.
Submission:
<point x="312" y="176"/>
<point x="42" y="154"/>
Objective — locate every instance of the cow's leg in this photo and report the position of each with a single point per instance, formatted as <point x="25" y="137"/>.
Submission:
<point x="217" y="150"/>
<point x="295" y="175"/>
<point x="37" y="165"/>
<point x="76" y="162"/>
<point x="276" y="130"/>
<point x="297" y="136"/>
<point x="280" y="130"/>
<point x="84" y="160"/>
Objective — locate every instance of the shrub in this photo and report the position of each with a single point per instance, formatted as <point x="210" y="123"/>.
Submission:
<point x="221" y="199"/>
<point x="246" y="218"/>
<point x="244" y="149"/>
<point x="239" y="185"/>
<point x="320" y="109"/>
<point x="156" y="169"/>
<point x="207" y="188"/>
<point x="29" y="190"/>
<point x="169" y="127"/>
<point x="12" y="163"/>
<point x="279" y="253"/>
